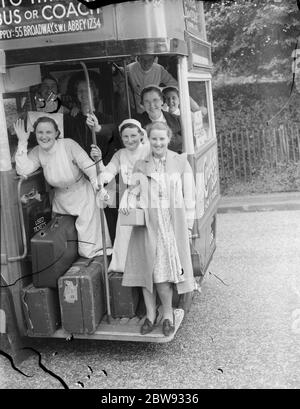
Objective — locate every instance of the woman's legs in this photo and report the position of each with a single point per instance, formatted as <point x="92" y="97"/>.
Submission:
<point x="165" y="293"/>
<point x="150" y="302"/>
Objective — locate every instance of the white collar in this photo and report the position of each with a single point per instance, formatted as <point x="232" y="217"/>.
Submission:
<point x="160" y="119"/>
<point x="177" y="112"/>
<point x="51" y="150"/>
<point x="162" y="159"/>
<point x="135" y="152"/>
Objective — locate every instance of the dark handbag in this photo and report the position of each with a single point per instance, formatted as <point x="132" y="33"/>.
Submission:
<point x="197" y="261"/>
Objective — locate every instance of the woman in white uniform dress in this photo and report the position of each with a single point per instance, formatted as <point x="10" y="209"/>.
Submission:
<point x="137" y="147"/>
<point x="65" y="165"/>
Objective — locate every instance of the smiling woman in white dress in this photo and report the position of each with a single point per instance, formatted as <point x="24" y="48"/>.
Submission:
<point x="65" y="165"/>
<point x="137" y="147"/>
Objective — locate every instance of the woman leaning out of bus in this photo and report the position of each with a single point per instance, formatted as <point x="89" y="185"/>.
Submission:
<point x="65" y="165"/>
<point x="159" y="254"/>
<point x="136" y="143"/>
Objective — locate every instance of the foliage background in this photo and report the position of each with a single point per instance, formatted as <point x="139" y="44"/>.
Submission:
<point x="252" y="44"/>
<point x="252" y="39"/>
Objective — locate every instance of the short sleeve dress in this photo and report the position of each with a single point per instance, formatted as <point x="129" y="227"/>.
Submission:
<point x="167" y="267"/>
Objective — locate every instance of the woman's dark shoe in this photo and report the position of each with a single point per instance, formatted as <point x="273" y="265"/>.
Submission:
<point x="167" y="327"/>
<point x="148" y="326"/>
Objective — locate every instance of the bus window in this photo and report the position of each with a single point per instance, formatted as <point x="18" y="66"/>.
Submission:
<point x="139" y="78"/>
<point x="202" y="128"/>
<point x="17" y="104"/>
<point x="67" y="77"/>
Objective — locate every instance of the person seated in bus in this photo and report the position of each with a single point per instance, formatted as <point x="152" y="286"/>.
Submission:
<point x="159" y="253"/>
<point x="47" y="97"/>
<point x="79" y="128"/>
<point x="152" y="101"/>
<point x="171" y="98"/>
<point x="65" y="165"/>
<point x="137" y="147"/>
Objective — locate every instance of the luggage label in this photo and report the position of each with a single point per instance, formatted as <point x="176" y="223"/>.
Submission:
<point x="70" y="291"/>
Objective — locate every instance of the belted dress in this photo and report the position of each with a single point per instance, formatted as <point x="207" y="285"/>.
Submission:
<point x="159" y="251"/>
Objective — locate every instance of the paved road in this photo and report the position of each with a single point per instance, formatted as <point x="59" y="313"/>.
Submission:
<point x="243" y="330"/>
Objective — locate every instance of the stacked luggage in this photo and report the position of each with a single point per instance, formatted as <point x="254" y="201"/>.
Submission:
<point x="68" y="290"/>
<point x="53" y="250"/>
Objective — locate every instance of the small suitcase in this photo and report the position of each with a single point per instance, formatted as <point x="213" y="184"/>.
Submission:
<point x="123" y="300"/>
<point x="41" y="310"/>
<point x="53" y="251"/>
<point x="82" y="296"/>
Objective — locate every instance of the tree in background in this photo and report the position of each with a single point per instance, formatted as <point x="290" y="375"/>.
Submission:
<point x="253" y="38"/>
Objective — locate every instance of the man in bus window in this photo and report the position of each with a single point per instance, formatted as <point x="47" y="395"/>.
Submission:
<point x="47" y="97"/>
<point x="145" y="71"/>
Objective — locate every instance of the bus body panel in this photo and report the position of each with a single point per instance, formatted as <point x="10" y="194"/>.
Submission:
<point x="69" y="22"/>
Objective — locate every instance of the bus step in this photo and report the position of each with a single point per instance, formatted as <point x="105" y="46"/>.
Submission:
<point x="122" y="330"/>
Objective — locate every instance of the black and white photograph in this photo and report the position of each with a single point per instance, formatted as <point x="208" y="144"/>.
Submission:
<point x="149" y="197"/>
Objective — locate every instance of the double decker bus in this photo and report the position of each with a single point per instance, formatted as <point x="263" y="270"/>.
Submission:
<point x="57" y="37"/>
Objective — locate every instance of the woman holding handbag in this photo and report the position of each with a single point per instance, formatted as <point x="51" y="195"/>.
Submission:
<point x="159" y="253"/>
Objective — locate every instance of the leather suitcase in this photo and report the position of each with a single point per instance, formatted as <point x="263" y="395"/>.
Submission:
<point x="41" y="310"/>
<point x="82" y="296"/>
<point x="53" y="251"/>
<point x="123" y="300"/>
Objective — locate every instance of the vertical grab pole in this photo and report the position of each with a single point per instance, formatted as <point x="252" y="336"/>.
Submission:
<point x="101" y="209"/>
<point x="185" y="117"/>
<point x="5" y="161"/>
<point x="127" y="88"/>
